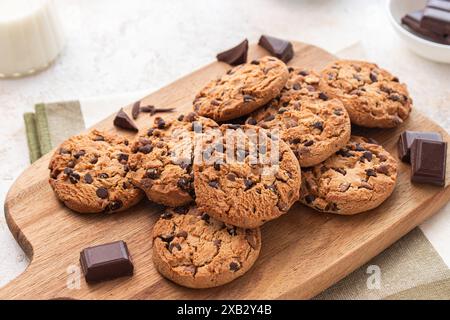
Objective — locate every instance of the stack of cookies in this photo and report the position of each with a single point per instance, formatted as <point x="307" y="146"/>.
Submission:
<point x="209" y="234"/>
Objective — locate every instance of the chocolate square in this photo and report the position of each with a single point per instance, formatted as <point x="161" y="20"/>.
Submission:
<point x="407" y="138"/>
<point x="436" y="20"/>
<point x="428" y="161"/>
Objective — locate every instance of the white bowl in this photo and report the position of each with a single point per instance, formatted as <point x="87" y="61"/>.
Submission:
<point x="425" y="48"/>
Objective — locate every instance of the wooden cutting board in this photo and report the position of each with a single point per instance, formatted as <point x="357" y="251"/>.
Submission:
<point x="303" y="252"/>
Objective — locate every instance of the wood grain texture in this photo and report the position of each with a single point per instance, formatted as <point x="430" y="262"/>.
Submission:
<point x="303" y="252"/>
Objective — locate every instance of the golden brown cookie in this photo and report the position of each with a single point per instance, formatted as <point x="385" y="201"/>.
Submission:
<point x="197" y="251"/>
<point x="373" y="97"/>
<point x="161" y="159"/>
<point x="90" y="173"/>
<point x="357" y="178"/>
<point x="313" y="125"/>
<point x="247" y="183"/>
<point x="242" y="89"/>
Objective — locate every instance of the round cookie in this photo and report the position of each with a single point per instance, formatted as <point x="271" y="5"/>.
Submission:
<point x="161" y="159"/>
<point x="373" y="97"/>
<point x="197" y="251"/>
<point x="357" y="178"/>
<point x="242" y="89"/>
<point x="313" y="125"/>
<point x="90" y="173"/>
<point x="249" y="182"/>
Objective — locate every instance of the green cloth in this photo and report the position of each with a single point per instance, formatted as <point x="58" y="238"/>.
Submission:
<point x="50" y="125"/>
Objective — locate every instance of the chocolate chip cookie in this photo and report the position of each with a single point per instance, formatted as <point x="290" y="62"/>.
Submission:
<point x="90" y="173"/>
<point x="373" y="97"/>
<point x="246" y="177"/>
<point x="242" y="89"/>
<point x="313" y="125"/>
<point x="197" y="251"/>
<point x="161" y="159"/>
<point x="359" y="177"/>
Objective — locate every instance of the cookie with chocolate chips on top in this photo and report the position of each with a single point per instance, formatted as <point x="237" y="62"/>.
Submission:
<point x="248" y="176"/>
<point x="90" y="173"/>
<point x="313" y="125"/>
<point x="358" y="178"/>
<point x="195" y="250"/>
<point x="242" y="89"/>
<point x="162" y="156"/>
<point x="372" y="96"/>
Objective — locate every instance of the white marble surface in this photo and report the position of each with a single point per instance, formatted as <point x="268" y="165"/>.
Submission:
<point x="139" y="45"/>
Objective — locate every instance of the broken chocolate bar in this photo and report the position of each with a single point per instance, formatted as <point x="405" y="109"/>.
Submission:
<point x="428" y="161"/>
<point x="106" y="261"/>
<point x="407" y="138"/>
<point x="412" y="21"/>
<point x="122" y="120"/>
<point x="436" y="20"/>
<point x="236" y="55"/>
<point x="279" y="48"/>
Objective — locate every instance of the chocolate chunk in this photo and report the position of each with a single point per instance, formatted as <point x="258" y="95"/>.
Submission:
<point x="153" y="110"/>
<point x="122" y="157"/>
<point x="436" y="20"/>
<point x="296" y="86"/>
<point x="279" y="48"/>
<point x="160" y="123"/>
<point x="103" y="175"/>
<point x="115" y="205"/>
<point x="344" y="153"/>
<point x="205" y="217"/>
<point x="371" y="173"/>
<point x="173" y="246"/>
<point x="383" y="169"/>
<point x="234" y="266"/>
<point x="367" y="155"/>
<point x="428" y="161"/>
<point x="270" y="117"/>
<point x="183" y="184"/>
<point x="122" y="120"/>
<point x="74" y="177"/>
<point x="152" y="174"/>
<point x="93" y="160"/>
<point x="373" y="76"/>
<point x="413" y="22"/>
<point x="310" y="198"/>
<point x="182" y="234"/>
<point x="236" y="55"/>
<point x="88" y="178"/>
<point x="145" y="149"/>
<point x="407" y="138"/>
<point x="323" y="96"/>
<point x="79" y="154"/>
<point x="102" y="193"/>
<point x="217" y="166"/>
<point x="136" y="109"/>
<point x="232" y="231"/>
<point x="180" y="117"/>
<point x="231" y="177"/>
<point x="248" y="98"/>
<point x="68" y="171"/>
<point x="251" y="121"/>
<point x="71" y="164"/>
<point x="318" y="125"/>
<point x="340" y="170"/>
<point x="308" y="143"/>
<point x="167" y="237"/>
<point x="248" y="183"/>
<point x="106" y="261"/>
<point x="214" y="184"/>
<point x="338" y="112"/>
<point x="344" y="186"/>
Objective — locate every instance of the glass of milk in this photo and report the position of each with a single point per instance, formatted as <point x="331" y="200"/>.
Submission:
<point x="30" y="36"/>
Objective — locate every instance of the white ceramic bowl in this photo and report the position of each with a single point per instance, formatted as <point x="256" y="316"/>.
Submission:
<point x="425" y="48"/>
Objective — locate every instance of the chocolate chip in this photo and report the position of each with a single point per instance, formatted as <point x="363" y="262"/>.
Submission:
<point x="234" y="126"/>
<point x="79" y="154"/>
<point x="373" y="77"/>
<point x="115" y="205"/>
<point x="161" y="123"/>
<point x="358" y="147"/>
<point x="308" y="143"/>
<point x="214" y="184"/>
<point x="251" y="121"/>
<point x="136" y="109"/>
<point x="74" y="177"/>
<point x="248" y="98"/>
<point x="93" y="160"/>
<point x="255" y="62"/>
<point x="282" y="110"/>
<point x="344" y="153"/>
<point x="272" y="188"/>
<point x="103" y="175"/>
<point x="205" y="217"/>
<point x="167" y="237"/>
<point x="174" y="246"/>
<point x="232" y="231"/>
<point x="365" y="185"/>
<point x="338" y="112"/>
<point x="371" y="173"/>
<point x="64" y="151"/>
<point x="310" y="198"/>
<point x="88" y="178"/>
<point x="152" y="174"/>
<point x="145" y="149"/>
<point x="122" y="157"/>
<point x="217" y="166"/>
<point x="231" y="177"/>
<point x="180" y="117"/>
<point x="367" y="155"/>
<point x="269" y="118"/>
<point x="303" y="73"/>
<point x="150" y="132"/>
<point x="182" y="234"/>
<point x="166" y="215"/>
<point x="296" y="86"/>
<point x="248" y="183"/>
<point x="340" y="170"/>
<point x="122" y="120"/>
<point x="234" y="266"/>
<point x="344" y="186"/>
<point x="102" y="193"/>
<point x="68" y="171"/>
<point x="318" y="125"/>
<point x="295" y="141"/>
<point x="395" y="97"/>
<point x="395" y="79"/>
<point x="383" y="169"/>
<point x="323" y="96"/>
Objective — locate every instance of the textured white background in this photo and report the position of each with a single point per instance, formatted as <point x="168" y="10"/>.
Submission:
<point x="135" y="45"/>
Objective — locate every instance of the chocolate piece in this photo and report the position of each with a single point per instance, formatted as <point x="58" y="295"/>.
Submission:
<point x="279" y="48"/>
<point x="436" y="20"/>
<point x="106" y="261"/>
<point x="236" y="55"/>
<point x="153" y="110"/>
<point x="412" y="21"/>
<point x="122" y="120"/>
<point x="136" y="109"/>
<point x="407" y="138"/>
<point x="428" y="161"/>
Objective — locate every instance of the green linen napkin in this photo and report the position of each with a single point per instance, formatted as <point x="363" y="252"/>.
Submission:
<point x="50" y="125"/>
